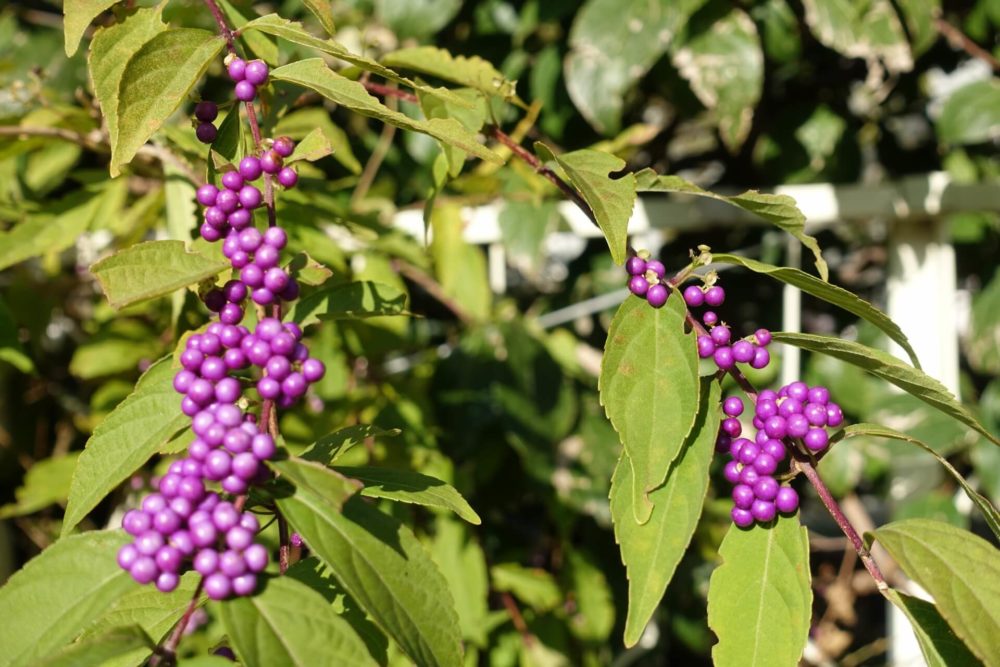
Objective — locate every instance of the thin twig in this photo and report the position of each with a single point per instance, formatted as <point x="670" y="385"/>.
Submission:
<point x="167" y="654"/>
<point x="283" y="543"/>
<point x="375" y="160"/>
<point x="516" y="618"/>
<point x="960" y="40"/>
<point x="390" y="91"/>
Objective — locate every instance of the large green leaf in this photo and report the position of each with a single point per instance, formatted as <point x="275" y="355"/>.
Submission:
<point x="289" y="624"/>
<point x="155" y="612"/>
<point x="759" y="599"/>
<point x="921" y="22"/>
<point x="148" y="270"/>
<point x="961" y="572"/>
<point x="42" y="234"/>
<point x="938" y="642"/>
<point x="77" y="15"/>
<point x="652" y="551"/>
<point x="323" y="11"/>
<point x="470" y="71"/>
<point x="829" y="293"/>
<point x="58" y="593"/>
<point x="721" y="58"/>
<point x="334" y="445"/>
<point x="462" y="562"/>
<point x="379" y="562"/>
<point x="649" y="388"/>
<point x="99" y="650"/>
<point x="531" y="585"/>
<point x="460" y="266"/>
<point x="614" y="43"/>
<point x="110" y="51"/>
<point x="985" y="506"/>
<point x="861" y="30"/>
<point x="611" y="199"/>
<point x="972" y="114"/>
<point x="355" y="300"/>
<point x="125" y="440"/>
<point x="156" y="80"/>
<point x="313" y="73"/>
<point x="884" y="365"/>
<point x="46" y="482"/>
<point x="779" y="210"/>
<point x="416" y="18"/>
<point x="410" y="487"/>
<point x="273" y="24"/>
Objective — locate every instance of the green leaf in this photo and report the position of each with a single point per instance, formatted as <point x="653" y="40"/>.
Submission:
<point x="323" y="11"/>
<point x="125" y="440"/>
<point x="77" y="15"/>
<point x="861" y="30"/>
<point x="779" y="210"/>
<point x="531" y="585"/>
<point x="649" y="388"/>
<point x="97" y="651"/>
<point x="314" y="74"/>
<point x="357" y="300"/>
<point x="961" y="572"/>
<point x="300" y="124"/>
<point x="722" y="59"/>
<point x="45" y="483"/>
<point x="985" y="506"/>
<point x="614" y="43"/>
<point x="462" y="562"/>
<point x="287" y="623"/>
<point x="53" y="598"/>
<point x="314" y="479"/>
<point x="410" y="487"/>
<point x="310" y="148"/>
<point x="920" y="17"/>
<point x="829" y="293"/>
<point x="884" y="365"/>
<point x="759" y="599"/>
<point x="939" y="644"/>
<point x="110" y="51"/>
<point x="148" y="270"/>
<point x="611" y="199"/>
<point x="460" y="266"/>
<point x="470" y="71"/>
<point x="981" y="346"/>
<point x="156" y="80"/>
<point x="334" y="445"/>
<point x="273" y="24"/>
<point x="381" y="565"/>
<point x="971" y="115"/>
<point x="416" y="18"/>
<point x="11" y="349"/>
<point x="43" y="234"/>
<point x="652" y="551"/>
<point x="155" y="612"/>
<point x="593" y="615"/>
<point x="259" y="45"/>
<point x="228" y="146"/>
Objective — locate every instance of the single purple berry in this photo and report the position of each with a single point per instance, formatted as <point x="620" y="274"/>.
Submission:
<point x="271" y="162"/>
<point x="127" y="556"/>
<point x="206" y="194"/>
<point x="724" y="358"/>
<point x="294" y="385"/>
<point x="278" y="368"/>
<point x="743" y="351"/>
<point x="796" y="426"/>
<point x="765" y="464"/>
<point x="256" y="72"/>
<point x="715" y="296"/>
<point x="206" y="111"/>
<point x="656" y="267"/>
<point x="820" y="395"/>
<point x="733" y="406"/>
<point x="721" y="335"/>
<point x="276" y="237"/>
<point x="706" y="347"/>
<point x="245" y="584"/>
<point x="816" y="439"/>
<point x="232" y="180"/>
<point x="218" y="586"/>
<point x="263" y="446"/>
<point x="255" y="556"/>
<point x="743" y="496"/>
<point x="214" y="300"/>
<point x="776" y="427"/>
<point x="834" y="415"/>
<point x="763" y="337"/>
<point x="710" y="318"/>
<point x="136" y="522"/>
<point x="206" y="133"/>
<point x="240" y="538"/>
<point x="657" y="295"/>
<point x="748" y="453"/>
<point x="231" y="563"/>
<point x="284" y="146"/>
<point x="766" y="488"/>
<point x="761" y="358"/>
<point x="296" y="540"/>
<point x="798" y="390"/>
<point x="732" y="427"/>
<point x="275" y="279"/>
<point x="237" y="69"/>
<point x="774" y="448"/>
<point x="693" y="296"/>
<point x="789" y="407"/>
<point x="732" y="472"/>
<point x="787" y="500"/>
<point x="763" y="510"/>
<point x="144" y="570"/>
<point x="250" y="168"/>
<point x="638" y="285"/>
<point x="636" y="266"/>
<point x="288" y="177"/>
<point x="215" y="216"/>
<point x="737" y="446"/>
<point x="231" y="313"/>
<point x="245" y="91"/>
<point x="742" y="518"/>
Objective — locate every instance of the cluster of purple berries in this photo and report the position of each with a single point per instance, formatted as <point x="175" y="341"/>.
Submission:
<point x="646" y="280"/>
<point x="797" y="413"/>
<point x="186" y="524"/>
<point x="718" y="344"/>
<point x="248" y="76"/>
<point x="288" y="370"/>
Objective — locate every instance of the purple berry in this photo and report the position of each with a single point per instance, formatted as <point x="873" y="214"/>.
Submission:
<point x="256" y="72"/>
<point x="715" y="296"/>
<point x="294" y="385"/>
<point x="636" y="266"/>
<point x="276" y="237"/>
<point x="763" y="337"/>
<point x="232" y="180"/>
<point x="206" y="133"/>
<point x="271" y="162"/>
<point x="245" y="91"/>
<point x="816" y="439"/>
<point x="763" y="510"/>
<point x="820" y="395"/>
<point x="127" y="556"/>
<point x="743" y="496"/>
<point x="206" y="111"/>
<point x="706" y="347"/>
<point x="255" y="557"/>
<point x="206" y="194"/>
<point x="732" y="427"/>
<point x="275" y="279"/>
<point x="218" y="586"/>
<point x="313" y="370"/>
<point x="250" y="168"/>
<point x="796" y="426"/>
<point x="710" y="318"/>
<point x="638" y="285"/>
<point x="656" y="267"/>
<point x="789" y="407"/>
<point x="798" y="390"/>
<point x="288" y="177"/>
<point x="787" y="500"/>
<point x="766" y="488"/>
<point x="776" y="427"/>
<point x="657" y="295"/>
<point x="748" y="453"/>
<point x="237" y="69"/>
<point x="721" y="335"/>
<point x="743" y="351"/>
<point x="761" y="358"/>
<point x="263" y="446"/>
<point x="724" y="358"/>
<point x="250" y="197"/>
<point x="732" y="472"/>
<point x="742" y="518"/>
<point x="733" y="406"/>
<point x="144" y="570"/>
<point x="251" y="273"/>
<point x="834" y="415"/>
<point x="283" y="146"/>
<point x="136" y="522"/>
<point x="773" y="448"/>
<point x="231" y="314"/>
<point x="240" y="219"/>
<point x="765" y="464"/>
<point x="693" y="296"/>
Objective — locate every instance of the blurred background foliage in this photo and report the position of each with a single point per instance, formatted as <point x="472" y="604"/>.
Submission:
<point x="751" y="94"/>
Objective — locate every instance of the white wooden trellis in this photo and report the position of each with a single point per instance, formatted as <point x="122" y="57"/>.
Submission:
<point x="921" y="287"/>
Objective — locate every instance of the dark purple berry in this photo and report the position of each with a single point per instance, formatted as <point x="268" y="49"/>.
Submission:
<point x="206" y="111"/>
<point x="816" y="439"/>
<point x="206" y="133"/>
<point x="284" y="146"/>
<point x="761" y="358"/>
<point x="732" y="427"/>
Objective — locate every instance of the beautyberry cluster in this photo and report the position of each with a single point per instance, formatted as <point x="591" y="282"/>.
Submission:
<point x="718" y="344"/>
<point x="646" y="280"/>
<point x="795" y="414"/>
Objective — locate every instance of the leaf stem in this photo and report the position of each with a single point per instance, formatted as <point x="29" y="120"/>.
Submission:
<point x="166" y="655"/>
<point x="960" y="40"/>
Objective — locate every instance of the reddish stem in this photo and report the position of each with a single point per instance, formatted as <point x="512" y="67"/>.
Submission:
<point x="167" y="655"/>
